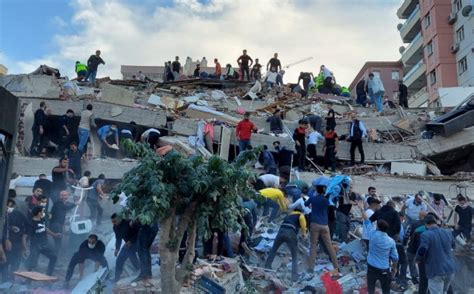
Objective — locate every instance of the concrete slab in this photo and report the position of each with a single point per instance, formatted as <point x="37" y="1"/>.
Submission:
<point x="410" y="168"/>
<point x="117" y="95"/>
<point x="112" y="168"/>
<point x="40" y="86"/>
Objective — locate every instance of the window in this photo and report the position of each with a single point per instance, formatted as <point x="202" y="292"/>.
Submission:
<point x="460" y="34"/>
<point x="462" y="66"/>
<point x="427" y="20"/>
<point x="429" y="48"/>
<point x="433" y="77"/>
<point x="395" y="75"/>
<point x="457" y="5"/>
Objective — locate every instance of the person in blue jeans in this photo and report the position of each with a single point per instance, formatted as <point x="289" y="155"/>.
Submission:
<point x="87" y="121"/>
<point x="92" y="65"/>
<point x="124" y="230"/>
<point x="146" y="236"/>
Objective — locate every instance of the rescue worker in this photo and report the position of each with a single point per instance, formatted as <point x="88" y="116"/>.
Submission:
<point x="124" y="231"/>
<point x="81" y="71"/>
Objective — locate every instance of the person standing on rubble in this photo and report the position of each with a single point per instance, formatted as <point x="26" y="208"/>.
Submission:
<point x="402" y="94"/>
<point x="274" y="62"/>
<point x="218" y="70"/>
<point x="81" y="71"/>
<point x="87" y="121"/>
<point x="146" y="236"/>
<point x="176" y="68"/>
<point x="38" y="235"/>
<point x="413" y="206"/>
<point x="382" y="251"/>
<point x="243" y="132"/>
<point x="124" y="230"/>
<point x="58" y="216"/>
<point x="38" y="145"/>
<point x="243" y="62"/>
<point x="361" y="91"/>
<point x="92" y="65"/>
<point x="109" y="137"/>
<point x="376" y="91"/>
<point x="357" y="132"/>
<point x="94" y="197"/>
<point x="463" y="218"/>
<point x="74" y="156"/>
<point x="319" y="227"/>
<point x="436" y="251"/>
<point x="313" y="138"/>
<point x="62" y="175"/>
<point x="197" y="71"/>
<point x="256" y="74"/>
<point x="13" y="240"/>
<point x="288" y="234"/>
<point x="299" y="136"/>
<point x="330" y="149"/>
<point x="331" y="118"/>
<point x="92" y="248"/>
<point x="66" y="130"/>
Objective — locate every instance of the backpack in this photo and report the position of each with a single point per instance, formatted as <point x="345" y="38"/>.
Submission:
<point x="357" y="132"/>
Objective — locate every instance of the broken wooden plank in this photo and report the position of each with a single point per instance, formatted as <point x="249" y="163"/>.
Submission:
<point x="35" y="276"/>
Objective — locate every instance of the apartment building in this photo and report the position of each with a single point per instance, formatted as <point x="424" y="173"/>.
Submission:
<point x="439" y="52"/>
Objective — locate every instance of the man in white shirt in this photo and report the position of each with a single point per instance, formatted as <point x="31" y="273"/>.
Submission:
<point x="376" y="91"/>
<point x="313" y="138"/>
<point x="374" y="205"/>
<point x="151" y="136"/>
<point x="269" y="181"/>
<point x="414" y="205"/>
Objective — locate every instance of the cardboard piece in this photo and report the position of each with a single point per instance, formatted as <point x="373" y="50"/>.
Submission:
<point x="35" y="276"/>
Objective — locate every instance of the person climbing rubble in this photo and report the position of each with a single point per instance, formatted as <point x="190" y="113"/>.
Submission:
<point x="288" y="234"/>
<point x="124" y="230"/>
<point x="81" y="71"/>
<point x="109" y="138"/>
<point x="92" y="248"/>
<point x="376" y="91"/>
<point x="357" y="132"/>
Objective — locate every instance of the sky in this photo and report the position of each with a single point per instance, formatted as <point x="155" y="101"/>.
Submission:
<point x="341" y="34"/>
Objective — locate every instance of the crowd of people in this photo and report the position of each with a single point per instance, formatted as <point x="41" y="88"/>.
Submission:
<point x="65" y="137"/>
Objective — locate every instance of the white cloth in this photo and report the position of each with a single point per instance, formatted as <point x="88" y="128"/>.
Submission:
<point x="314" y="137"/>
<point x="84" y="182"/>
<point x="270" y="181"/>
<point x="365" y="233"/>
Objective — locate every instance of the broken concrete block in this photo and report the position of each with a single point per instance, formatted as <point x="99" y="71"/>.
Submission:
<point x="117" y="95"/>
<point x="408" y="168"/>
<point x="38" y="86"/>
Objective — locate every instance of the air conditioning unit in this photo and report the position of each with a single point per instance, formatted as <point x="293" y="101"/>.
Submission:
<point x="455" y="48"/>
<point x="466" y="11"/>
<point x="452" y="17"/>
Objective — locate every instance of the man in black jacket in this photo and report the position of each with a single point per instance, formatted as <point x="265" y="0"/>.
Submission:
<point x="38" y="145"/>
<point x="93" y="249"/>
<point x="58" y="216"/>
<point x="92" y="65"/>
<point x="124" y="231"/>
<point x="390" y="215"/>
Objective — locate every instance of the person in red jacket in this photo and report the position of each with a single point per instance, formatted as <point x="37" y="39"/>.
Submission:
<point x="244" y="131"/>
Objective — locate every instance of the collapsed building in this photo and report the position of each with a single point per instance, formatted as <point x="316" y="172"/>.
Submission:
<point x="408" y="150"/>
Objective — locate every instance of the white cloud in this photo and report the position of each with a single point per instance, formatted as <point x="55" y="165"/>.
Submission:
<point x="59" y="22"/>
<point x="340" y="34"/>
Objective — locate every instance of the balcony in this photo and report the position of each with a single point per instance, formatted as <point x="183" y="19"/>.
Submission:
<point x="419" y="99"/>
<point x="406" y="8"/>
<point x="413" y="53"/>
<point x="415" y="79"/>
<point x="411" y="27"/>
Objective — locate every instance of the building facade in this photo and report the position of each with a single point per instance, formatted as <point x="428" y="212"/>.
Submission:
<point x="439" y="51"/>
<point x="390" y="72"/>
<point x="3" y="70"/>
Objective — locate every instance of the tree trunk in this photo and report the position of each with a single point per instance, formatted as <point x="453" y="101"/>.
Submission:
<point x="167" y="259"/>
<point x="183" y="272"/>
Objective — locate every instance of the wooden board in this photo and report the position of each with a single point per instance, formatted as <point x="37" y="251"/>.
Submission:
<point x="224" y="142"/>
<point x="35" y="276"/>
